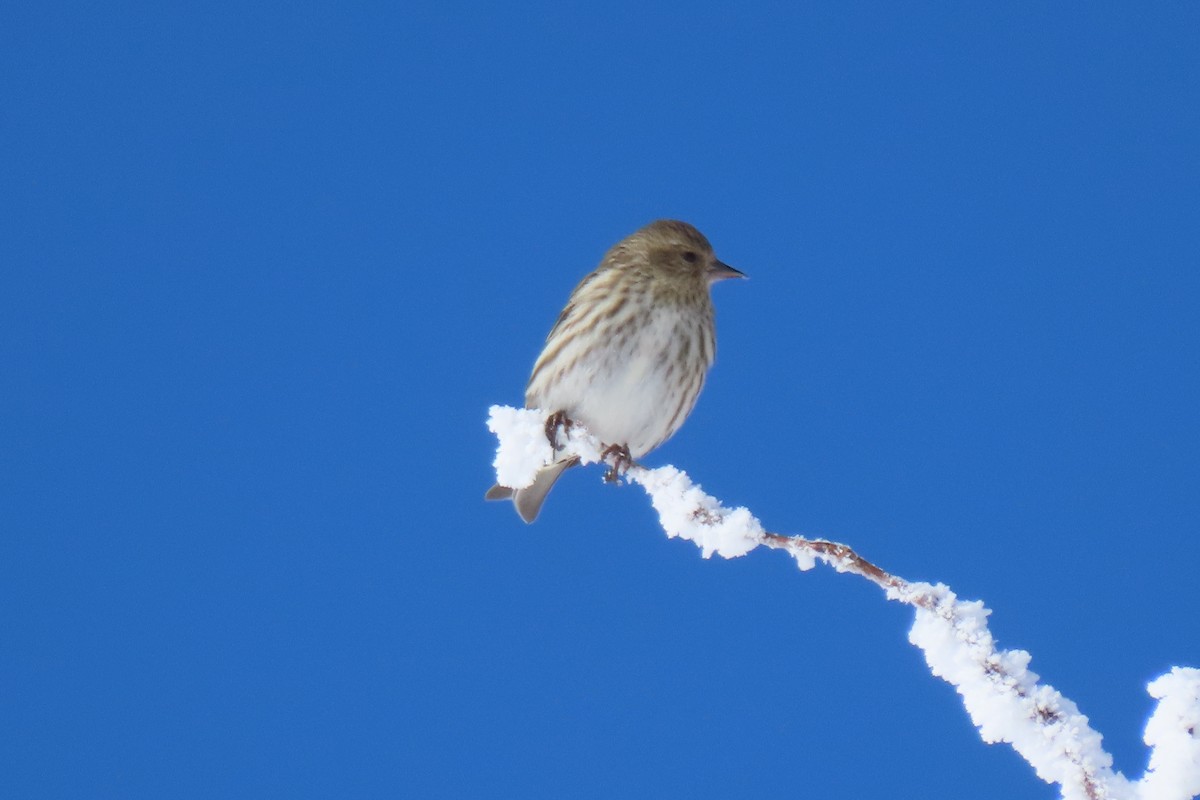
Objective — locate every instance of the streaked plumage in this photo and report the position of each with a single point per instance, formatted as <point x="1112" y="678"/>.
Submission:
<point x="629" y="353"/>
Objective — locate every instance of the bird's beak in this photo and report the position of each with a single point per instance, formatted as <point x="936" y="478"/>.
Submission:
<point x="719" y="271"/>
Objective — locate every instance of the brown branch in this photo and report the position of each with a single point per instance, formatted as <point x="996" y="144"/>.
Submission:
<point x="1005" y="700"/>
<point x="844" y="559"/>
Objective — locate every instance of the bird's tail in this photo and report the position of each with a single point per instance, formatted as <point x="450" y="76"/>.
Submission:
<point x="529" y="500"/>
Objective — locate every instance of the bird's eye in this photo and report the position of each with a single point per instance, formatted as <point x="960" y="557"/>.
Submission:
<point x="689" y="257"/>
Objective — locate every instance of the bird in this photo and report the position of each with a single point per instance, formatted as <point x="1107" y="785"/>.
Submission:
<point x="629" y="353"/>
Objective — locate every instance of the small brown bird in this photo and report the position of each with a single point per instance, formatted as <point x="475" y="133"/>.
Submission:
<point x="628" y="355"/>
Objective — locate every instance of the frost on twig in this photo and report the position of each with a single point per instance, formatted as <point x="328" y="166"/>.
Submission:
<point x="1003" y="697"/>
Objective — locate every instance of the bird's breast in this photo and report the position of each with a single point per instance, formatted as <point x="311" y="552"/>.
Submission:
<point x="633" y="384"/>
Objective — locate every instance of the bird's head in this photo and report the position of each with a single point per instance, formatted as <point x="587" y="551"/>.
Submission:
<point x="678" y="249"/>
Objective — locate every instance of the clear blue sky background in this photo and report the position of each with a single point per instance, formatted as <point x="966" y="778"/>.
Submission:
<point x="265" y="266"/>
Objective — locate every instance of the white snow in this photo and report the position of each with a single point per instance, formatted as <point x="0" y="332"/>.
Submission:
<point x="1005" y="700"/>
<point x="1173" y="733"/>
<point x="688" y="513"/>
<point x="1002" y="696"/>
<point x="524" y="448"/>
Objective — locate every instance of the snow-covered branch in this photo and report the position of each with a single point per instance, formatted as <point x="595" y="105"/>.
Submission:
<point x="1003" y="697"/>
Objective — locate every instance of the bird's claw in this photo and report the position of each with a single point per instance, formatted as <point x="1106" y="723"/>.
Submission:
<point x="554" y="423"/>
<point x="621" y="461"/>
<point x="617" y="456"/>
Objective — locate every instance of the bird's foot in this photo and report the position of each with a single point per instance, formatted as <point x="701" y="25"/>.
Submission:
<point x="621" y="461"/>
<point x="558" y="421"/>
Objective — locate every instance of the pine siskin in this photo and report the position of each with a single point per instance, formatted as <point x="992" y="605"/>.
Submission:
<point x="629" y="353"/>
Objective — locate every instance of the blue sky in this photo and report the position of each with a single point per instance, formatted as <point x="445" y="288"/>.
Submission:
<point x="267" y="266"/>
